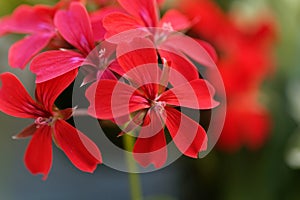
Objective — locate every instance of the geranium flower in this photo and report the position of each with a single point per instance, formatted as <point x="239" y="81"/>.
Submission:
<point x="75" y="27"/>
<point x="49" y="124"/>
<point x="143" y="21"/>
<point x="149" y="106"/>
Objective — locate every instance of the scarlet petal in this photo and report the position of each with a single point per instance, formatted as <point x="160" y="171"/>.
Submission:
<point x="189" y="137"/>
<point x="15" y="100"/>
<point x="97" y="22"/>
<point x="197" y="94"/>
<point x="151" y="146"/>
<point x="180" y="74"/>
<point x="22" y="51"/>
<point x="144" y="9"/>
<point x="189" y="47"/>
<point x="111" y="99"/>
<point x="177" y="20"/>
<point x="81" y="151"/>
<point x="38" y="156"/>
<point x="117" y="23"/>
<point x="75" y="27"/>
<point x="47" y="92"/>
<point x="51" y="64"/>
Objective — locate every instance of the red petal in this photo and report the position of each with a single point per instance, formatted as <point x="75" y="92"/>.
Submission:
<point x="150" y="146"/>
<point x="146" y="10"/>
<point x="47" y="92"/>
<point x="15" y="100"/>
<point x="27" y="19"/>
<point x="138" y="58"/>
<point x="23" y="51"/>
<point x="177" y="20"/>
<point x="97" y="22"/>
<point x="197" y="94"/>
<point x="180" y="74"/>
<point x="111" y="99"/>
<point x="189" y="47"/>
<point x="189" y="137"/>
<point x="51" y="64"/>
<point x="81" y="151"/>
<point x="38" y="156"/>
<point x="117" y="23"/>
<point x="75" y="27"/>
<point x="210" y="49"/>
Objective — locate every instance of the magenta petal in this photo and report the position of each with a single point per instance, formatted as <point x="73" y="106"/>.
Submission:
<point x="47" y="92"/>
<point x="177" y="20"/>
<point x="151" y="146"/>
<point x="146" y="10"/>
<point x="22" y="51"/>
<point x="75" y="27"/>
<point x="197" y="94"/>
<point x="51" y="64"/>
<point x="82" y="152"/>
<point x="111" y="99"/>
<point x="15" y="100"/>
<point x="38" y="156"/>
<point x="189" y="137"/>
<point x="31" y="20"/>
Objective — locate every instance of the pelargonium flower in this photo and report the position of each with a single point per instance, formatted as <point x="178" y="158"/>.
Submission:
<point x="75" y="27"/>
<point x="49" y="124"/>
<point x="143" y="20"/>
<point x="148" y="105"/>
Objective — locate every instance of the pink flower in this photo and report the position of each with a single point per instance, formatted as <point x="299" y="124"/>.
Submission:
<point x="146" y="102"/>
<point x="75" y="27"/>
<point x="49" y="124"/>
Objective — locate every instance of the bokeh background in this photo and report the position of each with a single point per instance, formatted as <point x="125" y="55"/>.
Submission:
<point x="258" y="155"/>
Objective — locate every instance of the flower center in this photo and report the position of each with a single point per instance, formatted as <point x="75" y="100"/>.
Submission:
<point x="102" y="52"/>
<point x="159" y="106"/>
<point x="42" y="121"/>
<point x="162" y="35"/>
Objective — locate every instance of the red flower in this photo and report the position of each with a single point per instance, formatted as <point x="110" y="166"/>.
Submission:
<point x="149" y="106"/>
<point x="143" y="21"/>
<point x="49" y="124"/>
<point x="75" y="27"/>
<point x="245" y="59"/>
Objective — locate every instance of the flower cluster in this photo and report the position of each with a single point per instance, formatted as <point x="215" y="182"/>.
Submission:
<point x="138" y="69"/>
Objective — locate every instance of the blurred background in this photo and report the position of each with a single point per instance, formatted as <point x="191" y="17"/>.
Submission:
<point x="258" y="154"/>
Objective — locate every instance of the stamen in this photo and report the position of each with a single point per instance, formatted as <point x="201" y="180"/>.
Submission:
<point x="102" y="52"/>
<point x="41" y="121"/>
<point x="167" y="26"/>
<point x="159" y="106"/>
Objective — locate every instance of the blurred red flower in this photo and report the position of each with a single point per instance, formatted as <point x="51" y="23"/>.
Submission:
<point x="244" y="60"/>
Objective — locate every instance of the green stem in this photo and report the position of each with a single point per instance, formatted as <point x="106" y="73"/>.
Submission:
<point x="134" y="178"/>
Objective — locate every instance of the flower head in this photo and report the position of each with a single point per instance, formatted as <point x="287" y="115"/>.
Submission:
<point x="148" y="105"/>
<point x="49" y="123"/>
